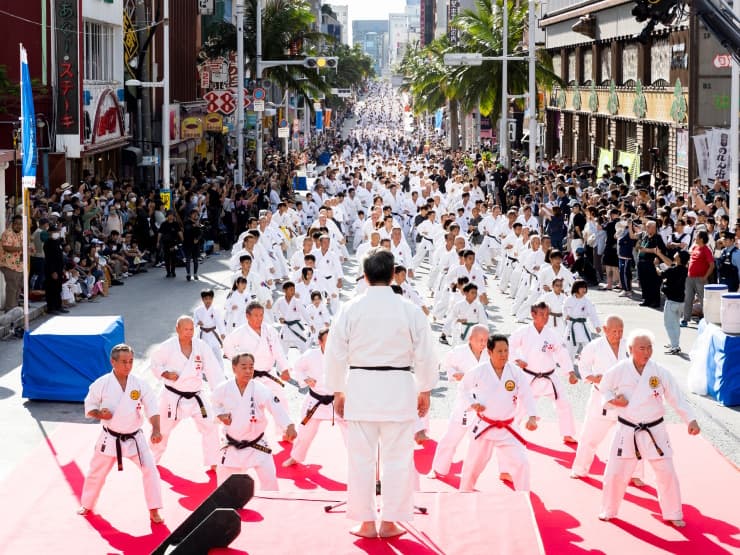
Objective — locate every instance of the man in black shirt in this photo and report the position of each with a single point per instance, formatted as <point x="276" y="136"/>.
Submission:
<point x="192" y="235"/>
<point x="650" y="243"/>
<point x="578" y="224"/>
<point x="674" y="284"/>
<point x="54" y="268"/>
<point x="170" y="235"/>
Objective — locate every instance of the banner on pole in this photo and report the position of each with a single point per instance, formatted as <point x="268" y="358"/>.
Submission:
<point x="605" y="159"/>
<point x="28" y="125"/>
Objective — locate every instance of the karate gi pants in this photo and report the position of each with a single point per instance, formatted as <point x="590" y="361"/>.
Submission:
<point x="617" y="477"/>
<point x="263" y="464"/>
<point x="512" y="458"/>
<point x="101" y="465"/>
<point x="447" y="446"/>
<point x="306" y="434"/>
<point x="188" y="408"/>
<point x="289" y="339"/>
<point x="541" y="387"/>
<point x="595" y="428"/>
<point x="515" y="281"/>
<point x="396" y="440"/>
<point x="423" y="250"/>
<point x="509" y="266"/>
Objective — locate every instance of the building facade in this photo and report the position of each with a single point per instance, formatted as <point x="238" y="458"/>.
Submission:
<point x="342" y="13"/>
<point x="623" y="98"/>
<point x="372" y="36"/>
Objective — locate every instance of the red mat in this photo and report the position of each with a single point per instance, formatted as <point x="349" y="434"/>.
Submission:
<point x="41" y="496"/>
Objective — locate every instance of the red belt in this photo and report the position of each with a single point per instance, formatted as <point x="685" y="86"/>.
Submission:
<point x="501" y="424"/>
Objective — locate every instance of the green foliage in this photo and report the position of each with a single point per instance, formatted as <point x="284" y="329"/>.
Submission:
<point x="9" y="90"/>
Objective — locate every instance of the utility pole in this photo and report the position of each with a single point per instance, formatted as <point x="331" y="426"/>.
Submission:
<point x="239" y="178"/>
<point x="503" y="151"/>
<point x="166" y="99"/>
<point x="533" y="135"/>
<point x="259" y="80"/>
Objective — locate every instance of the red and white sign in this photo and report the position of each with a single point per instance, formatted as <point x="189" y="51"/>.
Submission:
<point x="224" y="101"/>
<point x="722" y="61"/>
<point x="108" y="123"/>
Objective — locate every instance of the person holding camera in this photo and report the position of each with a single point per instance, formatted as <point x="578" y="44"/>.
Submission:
<point x="170" y="235"/>
<point x="650" y="243"/>
<point x="192" y="236"/>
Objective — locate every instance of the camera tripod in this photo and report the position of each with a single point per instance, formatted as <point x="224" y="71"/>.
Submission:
<point x="378" y="490"/>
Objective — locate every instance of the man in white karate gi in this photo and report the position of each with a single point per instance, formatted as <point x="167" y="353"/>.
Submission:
<point x="381" y="366"/>
<point x="116" y="399"/>
<point x="638" y="389"/>
<point x="181" y="362"/>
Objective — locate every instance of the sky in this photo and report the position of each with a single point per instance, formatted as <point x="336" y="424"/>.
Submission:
<point x="370" y="9"/>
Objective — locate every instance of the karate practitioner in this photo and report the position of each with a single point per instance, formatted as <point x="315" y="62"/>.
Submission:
<point x="578" y="310"/>
<point x="180" y="363"/>
<point x="293" y="320"/>
<point x="318" y="405"/>
<point x="596" y="358"/>
<point x="638" y="389"/>
<point x="380" y="392"/>
<point x="536" y="348"/>
<point x="241" y="405"/>
<point x="263" y="343"/>
<point x="496" y="390"/>
<point x="456" y="363"/>
<point x="210" y="322"/>
<point x="116" y="399"/>
<point x="464" y="314"/>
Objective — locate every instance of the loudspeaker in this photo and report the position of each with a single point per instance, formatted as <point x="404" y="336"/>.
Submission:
<point x="233" y="494"/>
<point x="219" y="529"/>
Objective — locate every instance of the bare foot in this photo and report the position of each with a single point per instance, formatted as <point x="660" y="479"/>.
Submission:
<point x="637" y="482"/>
<point x="155" y="517"/>
<point x="365" y="530"/>
<point x="290" y="461"/>
<point x="434" y="475"/>
<point x="213" y="468"/>
<point x="505" y="477"/>
<point x="604" y="517"/>
<point x="82" y="511"/>
<point x="420" y="437"/>
<point x="677" y="523"/>
<point x="390" y="530"/>
<point x="287" y="439"/>
<point x="569" y="439"/>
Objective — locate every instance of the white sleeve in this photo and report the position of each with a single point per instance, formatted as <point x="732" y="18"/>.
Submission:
<point x="425" y="358"/>
<point x="336" y="353"/>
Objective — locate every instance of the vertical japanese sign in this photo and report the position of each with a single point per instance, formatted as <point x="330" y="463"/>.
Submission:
<point x="130" y="39"/>
<point x="67" y="67"/>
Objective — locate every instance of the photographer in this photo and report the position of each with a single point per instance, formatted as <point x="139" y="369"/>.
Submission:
<point x="170" y="235"/>
<point x="192" y="236"/>
<point x="650" y="243"/>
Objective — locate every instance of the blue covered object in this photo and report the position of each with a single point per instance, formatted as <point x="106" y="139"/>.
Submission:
<point x="63" y="356"/>
<point x="324" y="158"/>
<point x="722" y="365"/>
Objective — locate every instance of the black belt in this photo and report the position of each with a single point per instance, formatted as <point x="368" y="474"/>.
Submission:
<point x="269" y="375"/>
<point x="428" y="239"/>
<point x="213" y="331"/>
<point x="320" y="400"/>
<point x="543" y="376"/>
<point x="642" y="427"/>
<point x="291" y="323"/>
<point x="382" y="368"/>
<point x="512" y="259"/>
<point x="494" y="238"/>
<point x="119" y="438"/>
<point x="254" y="444"/>
<point x="186" y="395"/>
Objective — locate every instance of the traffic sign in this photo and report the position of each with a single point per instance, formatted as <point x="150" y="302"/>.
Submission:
<point x="317" y="106"/>
<point x="259" y="105"/>
<point x="283" y="123"/>
<point x="283" y="132"/>
<point x="722" y="61"/>
<point x="259" y="93"/>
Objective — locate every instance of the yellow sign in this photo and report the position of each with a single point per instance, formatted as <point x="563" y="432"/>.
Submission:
<point x="214" y="122"/>
<point x="130" y="43"/>
<point x="654" y="381"/>
<point x="166" y="198"/>
<point x="192" y="128"/>
<point x="510" y="385"/>
<point x="135" y="394"/>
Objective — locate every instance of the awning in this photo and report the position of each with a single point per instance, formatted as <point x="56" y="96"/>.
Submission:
<point x="89" y="150"/>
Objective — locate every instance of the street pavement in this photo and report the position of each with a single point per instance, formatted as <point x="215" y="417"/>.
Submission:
<point x="150" y="304"/>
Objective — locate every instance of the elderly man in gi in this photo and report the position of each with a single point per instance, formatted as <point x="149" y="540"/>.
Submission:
<point x="116" y="399"/>
<point x="495" y="391"/>
<point x="263" y="343"/>
<point x="596" y="358"/>
<point x="638" y="389"/>
<point x="318" y="405"/>
<point x="381" y="366"/>
<point x="537" y="349"/>
<point x="457" y="362"/>
<point x="241" y="405"/>
<point x="180" y="362"/>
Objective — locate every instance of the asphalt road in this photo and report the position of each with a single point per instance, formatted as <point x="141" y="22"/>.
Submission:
<point x="150" y="304"/>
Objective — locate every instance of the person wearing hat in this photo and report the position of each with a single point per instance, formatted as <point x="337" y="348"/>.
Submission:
<point x="54" y="271"/>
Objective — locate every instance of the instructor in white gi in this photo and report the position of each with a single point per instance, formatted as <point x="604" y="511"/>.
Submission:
<point x="381" y="366"/>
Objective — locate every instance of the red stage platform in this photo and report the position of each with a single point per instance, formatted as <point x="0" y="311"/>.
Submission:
<point x="559" y="516"/>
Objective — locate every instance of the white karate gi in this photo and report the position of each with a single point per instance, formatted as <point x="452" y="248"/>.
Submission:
<point x="646" y="394"/>
<point x="458" y="360"/>
<point x="294" y="331"/>
<point x="174" y="408"/>
<point x="542" y="351"/>
<point x="126" y="406"/>
<point x="577" y="312"/>
<point x="555" y="304"/>
<point x="472" y="313"/>
<point x="210" y="324"/>
<point x="529" y="285"/>
<point x="502" y="398"/>
<point x="248" y="422"/>
<point x="381" y="405"/>
<point x="235" y="306"/>
<point x="490" y="248"/>
<point x="311" y="365"/>
<point x="596" y="358"/>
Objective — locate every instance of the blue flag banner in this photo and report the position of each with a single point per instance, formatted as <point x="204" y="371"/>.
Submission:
<point x="28" y="125"/>
<point x="319" y="121"/>
<point x="438" y="115"/>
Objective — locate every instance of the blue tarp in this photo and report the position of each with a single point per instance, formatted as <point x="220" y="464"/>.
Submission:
<point x="63" y="356"/>
<point x="722" y="365"/>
